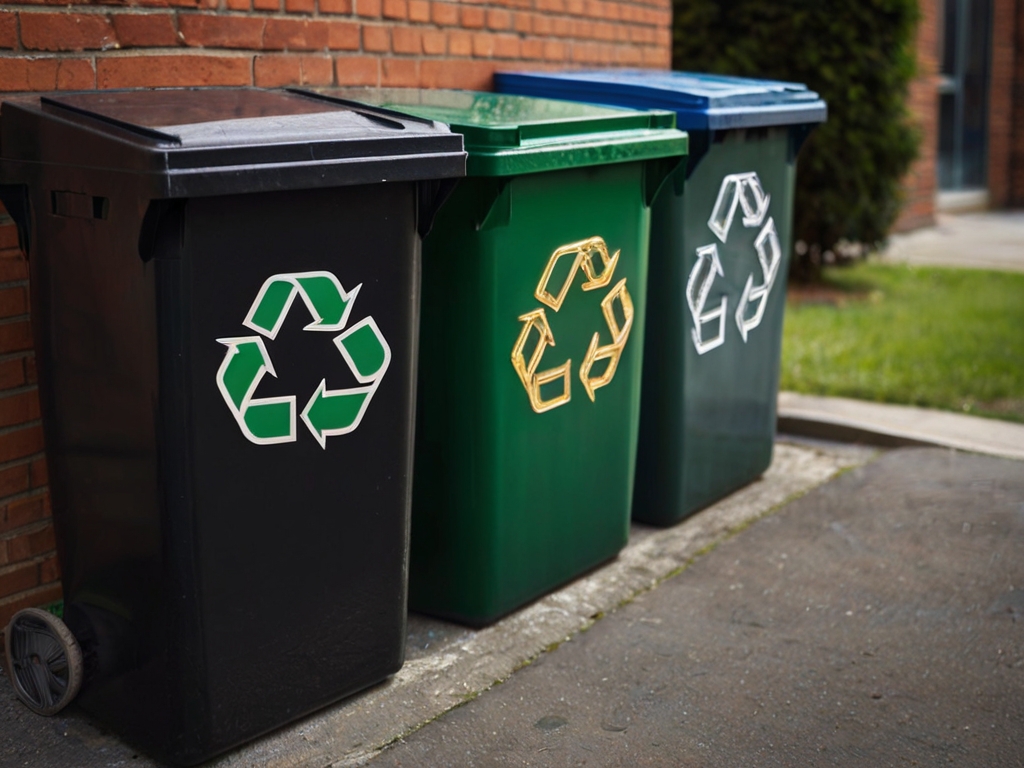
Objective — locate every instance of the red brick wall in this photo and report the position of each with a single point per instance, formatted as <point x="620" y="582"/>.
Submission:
<point x="1000" y="128"/>
<point x="1016" y="162"/>
<point x="920" y="184"/>
<point x="54" y="44"/>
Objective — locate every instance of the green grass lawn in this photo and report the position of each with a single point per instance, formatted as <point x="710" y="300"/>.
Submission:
<point x="939" y="338"/>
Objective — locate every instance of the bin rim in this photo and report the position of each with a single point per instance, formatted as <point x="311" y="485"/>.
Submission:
<point x="274" y="140"/>
<point x="701" y="101"/>
<point x="509" y="135"/>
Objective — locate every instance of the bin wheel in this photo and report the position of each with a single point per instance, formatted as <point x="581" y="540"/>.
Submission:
<point x="44" y="661"/>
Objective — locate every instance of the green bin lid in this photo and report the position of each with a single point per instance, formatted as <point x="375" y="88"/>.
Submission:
<point x="512" y="135"/>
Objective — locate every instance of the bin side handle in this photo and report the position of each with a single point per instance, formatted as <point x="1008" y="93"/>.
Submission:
<point x="656" y="172"/>
<point x="431" y="195"/>
<point x="161" y="231"/>
<point x="16" y="201"/>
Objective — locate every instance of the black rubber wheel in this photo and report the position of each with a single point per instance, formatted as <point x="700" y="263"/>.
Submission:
<point x="44" y="661"/>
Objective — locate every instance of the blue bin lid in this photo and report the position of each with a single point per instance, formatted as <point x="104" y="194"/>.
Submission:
<point x="700" y="101"/>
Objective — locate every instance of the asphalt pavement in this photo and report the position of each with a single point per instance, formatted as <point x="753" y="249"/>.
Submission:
<point x="876" y="621"/>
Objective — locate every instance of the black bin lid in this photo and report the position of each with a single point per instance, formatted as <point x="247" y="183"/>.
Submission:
<point x="194" y="142"/>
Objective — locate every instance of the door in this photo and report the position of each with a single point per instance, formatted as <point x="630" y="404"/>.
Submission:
<point x="963" y="95"/>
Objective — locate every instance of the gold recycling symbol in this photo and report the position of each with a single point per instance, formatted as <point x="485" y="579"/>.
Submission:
<point x="583" y="254"/>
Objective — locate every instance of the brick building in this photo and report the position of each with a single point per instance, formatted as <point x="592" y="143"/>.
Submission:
<point x="53" y="44"/>
<point x="969" y="101"/>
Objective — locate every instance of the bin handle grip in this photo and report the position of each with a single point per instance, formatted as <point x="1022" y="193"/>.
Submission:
<point x="656" y="173"/>
<point x="16" y="200"/>
<point x="431" y="196"/>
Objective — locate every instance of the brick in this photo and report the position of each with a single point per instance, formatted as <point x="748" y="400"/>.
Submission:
<point x="435" y="43"/>
<point x="30" y="369"/>
<point x="145" y="29"/>
<point x="266" y="5"/>
<point x="18" y="578"/>
<point x="17" y="74"/>
<point x="460" y="43"/>
<point x="295" y="35"/>
<point x="300" y="6"/>
<point x="49" y="570"/>
<point x="75" y="75"/>
<point x="38" y="475"/>
<point x="395" y="9"/>
<point x="24" y="512"/>
<point x="221" y="31"/>
<point x="456" y="73"/>
<point x="483" y="45"/>
<point x="444" y="14"/>
<point x="554" y="51"/>
<point x="66" y="31"/>
<point x="532" y="48"/>
<point x="8" y="29"/>
<point x="399" y="73"/>
<point x="343" y="36"/>
<point x="506" y="46"/>
<point x="376" y="39"/>
<point x="499" y="19"/>
<point x="472" y="17"/>
<point x="24" y="545"/>
<point x="335" y="6"/>
<point x="419" y="10"/>
<point x="543" y="25"/>
<point x="238" y="5"/>
<point x="15" y="479"/>
<point x="550" y="6"/>
<point x="12" y="266"/>
<point x="8" y="236"/>
<point x="173" y="70"/>
<point x="31" y="599"/>
<point x="12" y="374"/>
<point x="21" y="443"/>
<point x="403" y="40"/>
<point x="575" y="7"/>
<point x="13" y="301"/>
<point x="522" y="23"/>
<point x="15" y="336"/>
<point x="276" y="70"/>
<point x="357" y="70"/>
<point x="368" y="8"/>
<point x="19" y="408"/>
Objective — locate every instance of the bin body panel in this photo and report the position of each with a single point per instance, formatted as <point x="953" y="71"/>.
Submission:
<point x="296" y="521"/>
<point x="708" y="420"/>
<point x="259" y="536"/>
<point x="509" y="503"/>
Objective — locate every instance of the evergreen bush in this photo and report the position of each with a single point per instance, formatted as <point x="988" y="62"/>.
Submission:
<point x="859" y="55"/>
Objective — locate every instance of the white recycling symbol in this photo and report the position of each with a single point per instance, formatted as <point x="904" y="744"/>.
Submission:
<point x="743" y="191"/>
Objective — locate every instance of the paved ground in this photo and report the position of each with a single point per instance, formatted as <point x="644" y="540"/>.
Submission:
<point x="878" y="620"/>
<point x="990" y="240"/>
<point x="447" y="664"/>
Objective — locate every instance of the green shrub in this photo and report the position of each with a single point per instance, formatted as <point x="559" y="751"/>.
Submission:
<point x="859" y="55"/>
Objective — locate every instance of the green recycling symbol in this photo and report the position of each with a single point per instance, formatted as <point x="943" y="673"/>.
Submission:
<point x="271" y="420"/>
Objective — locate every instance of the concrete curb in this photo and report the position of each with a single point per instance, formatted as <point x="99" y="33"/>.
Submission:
<point x="881" y="424"/>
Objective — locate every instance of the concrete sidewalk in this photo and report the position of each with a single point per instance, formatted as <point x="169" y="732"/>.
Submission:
<point x="857" y="421"/>
<point x="990" y="240"/>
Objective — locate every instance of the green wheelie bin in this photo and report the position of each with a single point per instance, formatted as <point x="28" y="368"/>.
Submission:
<point x="531" y="343"/>
<point x="720" y="244"/>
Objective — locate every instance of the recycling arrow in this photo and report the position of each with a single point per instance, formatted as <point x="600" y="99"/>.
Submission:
<point x="270" y="420"/>
<point x="697" y="289"/>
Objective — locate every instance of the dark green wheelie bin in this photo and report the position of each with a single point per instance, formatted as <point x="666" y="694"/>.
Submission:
<point x="530" y="345"/>
<point x="720" y="246"/>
